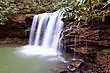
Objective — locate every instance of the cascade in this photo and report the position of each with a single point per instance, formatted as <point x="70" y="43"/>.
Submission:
<point x="44" y="34"/>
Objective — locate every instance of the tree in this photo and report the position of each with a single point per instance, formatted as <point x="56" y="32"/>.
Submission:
<point x="79" y="11"/>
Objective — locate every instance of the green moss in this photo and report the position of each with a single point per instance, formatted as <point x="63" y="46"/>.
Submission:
<point x="106" y="51"/>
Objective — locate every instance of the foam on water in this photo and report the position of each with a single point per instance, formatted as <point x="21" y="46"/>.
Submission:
<point x="37" y="50"/>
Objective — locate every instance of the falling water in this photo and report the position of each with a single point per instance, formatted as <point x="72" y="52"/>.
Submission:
<point x="44" y="34"/>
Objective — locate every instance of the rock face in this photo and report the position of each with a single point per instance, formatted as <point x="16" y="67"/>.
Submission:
<point x="92" y="38"/>
<point x="84" y="68"/>
<point x="104" y="62"/>
<point x="14" y="33"/>
<point x="17" y="17"/>
<point x="15" y="30"/>
<point x="19" y="23"/>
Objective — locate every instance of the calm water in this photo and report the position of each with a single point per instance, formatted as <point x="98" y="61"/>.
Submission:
<point x="12" y="62"/>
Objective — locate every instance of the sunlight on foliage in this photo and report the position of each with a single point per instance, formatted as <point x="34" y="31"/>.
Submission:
<point x="81" y="10"/>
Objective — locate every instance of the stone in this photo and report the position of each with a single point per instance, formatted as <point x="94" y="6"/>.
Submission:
<point x="63" y="72"/>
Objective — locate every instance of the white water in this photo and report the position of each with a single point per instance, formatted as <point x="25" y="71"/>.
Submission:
<point x="44" y="39"/>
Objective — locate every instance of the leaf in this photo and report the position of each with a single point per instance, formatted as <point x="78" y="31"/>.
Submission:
<point x="103" y="18"/>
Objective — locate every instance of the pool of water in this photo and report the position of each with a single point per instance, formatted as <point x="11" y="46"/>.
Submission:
<point x="12" y="62"/>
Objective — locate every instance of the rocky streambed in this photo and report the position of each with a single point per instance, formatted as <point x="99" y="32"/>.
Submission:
<point x="13" y="41"/>
<point x="101" y="65"/>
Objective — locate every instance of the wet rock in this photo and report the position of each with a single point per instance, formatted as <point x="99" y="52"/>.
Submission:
<point x="74" y="64"/>
<point x="13" y="41"/>
<point x="104" y="62"/>
<point x="84" y="68"/>
<point x="63" y="72"/>
<point x="17" y="17"/>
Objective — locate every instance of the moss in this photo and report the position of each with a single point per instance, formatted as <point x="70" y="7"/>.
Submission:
<point x="106" y="51"/>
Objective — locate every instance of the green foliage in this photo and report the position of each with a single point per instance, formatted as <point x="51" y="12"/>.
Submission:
<point x="6" y="7"/>
<point x="89" y="11"/>
<point x="106" y="51"/>
<point x="66" y="6"/>
<point x="82" y="10"/>
<point x="35" y="6"/>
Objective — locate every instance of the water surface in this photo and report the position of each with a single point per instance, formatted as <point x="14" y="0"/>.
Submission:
<point x="12" y="62"/>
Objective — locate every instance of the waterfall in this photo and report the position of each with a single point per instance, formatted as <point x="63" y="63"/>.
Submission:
<point x="44" y="34"/>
